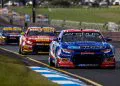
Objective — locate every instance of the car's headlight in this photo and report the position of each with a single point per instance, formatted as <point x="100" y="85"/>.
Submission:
<point x="3" y="37"/>
<point x="67" y="51"/>
<point x="28" y="42"/>
<point x="65" y="59"/>
<point x="106" y="50"/>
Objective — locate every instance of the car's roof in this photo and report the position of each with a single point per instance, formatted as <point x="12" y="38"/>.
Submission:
<point x="46" y="29"/>
<point x="81" y="30"/>
<point x="39" y="27"/>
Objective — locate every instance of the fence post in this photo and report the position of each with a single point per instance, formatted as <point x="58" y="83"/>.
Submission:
<point x="63" y="23"/>
<point x="11" y="21"/>
<point x="105" y="26"/>
<point x="80" y="25"/>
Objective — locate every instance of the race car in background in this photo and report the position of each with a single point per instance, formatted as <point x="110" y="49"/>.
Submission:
<point x="36" y="40"/>
<point x="82" y="48"/>
<point x="2" y="39"/>
<point x="11" y="34"/>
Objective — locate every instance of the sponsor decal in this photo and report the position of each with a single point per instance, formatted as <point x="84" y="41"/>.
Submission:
<point x="73" y="47"/>
<point x="13" y="38"/>
<point x="43" y="39"/>
<point x="12" y="29"/>
<point x="86" y="53"/>
<point x="44" y="44"/>
<point x="83" y="65"/>
<point x="46" y="29"/>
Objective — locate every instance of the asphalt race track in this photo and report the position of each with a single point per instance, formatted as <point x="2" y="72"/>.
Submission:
<point x="106" y="77"/>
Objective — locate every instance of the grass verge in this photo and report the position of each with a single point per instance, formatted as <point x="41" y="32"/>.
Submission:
<point x="14" y="73"/>
<point x="78" y="14"/>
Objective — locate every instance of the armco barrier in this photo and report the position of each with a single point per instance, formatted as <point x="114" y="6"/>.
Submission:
<point x="63" y="24"/>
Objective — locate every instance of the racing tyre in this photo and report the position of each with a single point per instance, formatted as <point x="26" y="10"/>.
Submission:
<point x="22" y="52"/>
<point x="56" y="60"/>
<point x="56" y="63"/>
<point x="50" y="62"/>
<point x="113" y="67"/>
<point x="19" y="50"/>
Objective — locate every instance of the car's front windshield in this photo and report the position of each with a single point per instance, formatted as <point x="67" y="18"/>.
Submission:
<point x="46" y="31"/>
<point x="82" y="36"/>
<point x="11" y="31"/>
<point x="39" y="33"/>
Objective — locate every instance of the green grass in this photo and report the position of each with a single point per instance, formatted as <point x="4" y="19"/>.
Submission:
<point x="78" y="14"/>
<point x="14" y="73"/>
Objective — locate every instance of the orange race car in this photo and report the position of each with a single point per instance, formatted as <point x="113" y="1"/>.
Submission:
<point x="36" y="40"/>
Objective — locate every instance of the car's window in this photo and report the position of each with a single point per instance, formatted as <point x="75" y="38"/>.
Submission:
<point x="82" y="36"/>
<point x="45" y="31"/>
<point x="10" y="31"/>
<point x="40" y="33"/>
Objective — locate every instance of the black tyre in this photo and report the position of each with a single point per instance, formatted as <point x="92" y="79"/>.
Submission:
<point x="50" y="62"/>
<point x="56" y="60"/>
<point x="56" y="63"/>
<point x="19" y="50"/>
<point x="22" y="52"/>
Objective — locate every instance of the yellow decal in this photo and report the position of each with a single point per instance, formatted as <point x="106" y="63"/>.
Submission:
<point x="44" y="29"/>
<point x="12" y="29"/>
<point x="48" y="29"/>
<point x="43" y="39"/>
<point x="36" y="29"/>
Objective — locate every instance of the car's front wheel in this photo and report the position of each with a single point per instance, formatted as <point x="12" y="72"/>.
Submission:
<point x="50" y="62"/>
<point x="56" y="63"/>
<point x="21" y="51"/>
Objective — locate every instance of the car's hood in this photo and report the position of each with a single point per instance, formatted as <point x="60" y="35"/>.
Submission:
<point x="40" y="38"/>
<point x="85" y="45"/>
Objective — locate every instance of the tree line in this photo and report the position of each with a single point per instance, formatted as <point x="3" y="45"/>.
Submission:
<point x="65" y="3"/>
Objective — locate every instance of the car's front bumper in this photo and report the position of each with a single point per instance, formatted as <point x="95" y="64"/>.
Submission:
<point x="88" y="61"/>
<point x="36" y="48"/>
<point x="2" y="41"/>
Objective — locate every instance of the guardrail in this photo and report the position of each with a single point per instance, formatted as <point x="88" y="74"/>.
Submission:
<point x="110" y="26"/>
<point x="20" y="20"/>
<point x="64" y="24"/>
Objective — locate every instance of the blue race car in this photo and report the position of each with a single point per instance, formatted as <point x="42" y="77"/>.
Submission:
<point x="82" y="48"/>
<point x="11" y="34"/>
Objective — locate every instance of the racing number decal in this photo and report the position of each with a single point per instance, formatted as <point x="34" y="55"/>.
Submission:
<point x="15" y="28"/>
<point x="43" y="39"/>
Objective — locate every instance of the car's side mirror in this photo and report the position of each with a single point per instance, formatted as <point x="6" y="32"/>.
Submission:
<point x="108" y="39"/>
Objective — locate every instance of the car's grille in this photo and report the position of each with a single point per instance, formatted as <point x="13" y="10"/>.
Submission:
<point x="12" y="39"/>
<point x="40" y="48"/>
<point x="91" y="47"/>
<point x="87" y="59"/>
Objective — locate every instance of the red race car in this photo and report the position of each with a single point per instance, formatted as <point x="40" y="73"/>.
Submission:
<point x="36" y="40"/>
